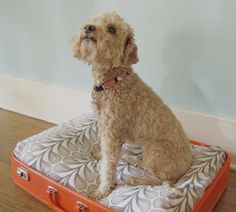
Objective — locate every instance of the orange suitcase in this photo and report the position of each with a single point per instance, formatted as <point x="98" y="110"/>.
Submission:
<point x="51" y="193"/>
<point x="61" y="197"/>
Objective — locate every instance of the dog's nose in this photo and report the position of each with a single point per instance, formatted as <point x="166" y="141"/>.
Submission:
<point x="89" y="28"/>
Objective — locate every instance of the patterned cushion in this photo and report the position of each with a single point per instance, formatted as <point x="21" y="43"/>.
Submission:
<point x="63" y="153"/>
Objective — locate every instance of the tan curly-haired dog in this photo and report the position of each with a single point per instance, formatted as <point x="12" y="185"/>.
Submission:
<point x="127" y="109"/>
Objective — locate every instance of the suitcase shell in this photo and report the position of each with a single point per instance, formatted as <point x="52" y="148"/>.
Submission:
<point x="62" y="199"/>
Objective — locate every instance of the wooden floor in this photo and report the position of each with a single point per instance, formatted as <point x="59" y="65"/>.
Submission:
<point x="15" y="127"/>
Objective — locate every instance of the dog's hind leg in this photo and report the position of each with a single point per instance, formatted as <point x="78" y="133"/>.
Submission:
<point x="140" y="180"/>
<point x="158" y="160"/>
<point x="133" y="161"/>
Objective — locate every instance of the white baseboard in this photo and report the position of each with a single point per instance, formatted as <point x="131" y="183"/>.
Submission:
<point x="43" y="101"/>
<point x="58" y="104"/>
<point x="210" y="130"/>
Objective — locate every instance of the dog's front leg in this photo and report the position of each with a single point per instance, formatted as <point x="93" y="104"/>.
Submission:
<point x="110" y="150"/>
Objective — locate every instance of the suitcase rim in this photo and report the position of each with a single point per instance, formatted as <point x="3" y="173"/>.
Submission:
<point x="205" y="203"/>
<point x="215" y="189"/>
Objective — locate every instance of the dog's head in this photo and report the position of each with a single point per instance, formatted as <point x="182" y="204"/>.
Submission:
<point x="106" y="41"/>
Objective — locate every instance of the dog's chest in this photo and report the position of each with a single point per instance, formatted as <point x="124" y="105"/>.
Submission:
<point x="102" y="101"/>
<point x="94" y="106"/>
<point x="94" y="102"/>
<point x="97" y="100"/>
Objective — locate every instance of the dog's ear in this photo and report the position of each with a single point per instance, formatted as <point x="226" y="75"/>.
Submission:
<point x="76" y="46"/>
<point x="130" y="51"/>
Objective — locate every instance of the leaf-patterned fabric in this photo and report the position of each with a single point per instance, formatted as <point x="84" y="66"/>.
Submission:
<point x="63" y="154"/>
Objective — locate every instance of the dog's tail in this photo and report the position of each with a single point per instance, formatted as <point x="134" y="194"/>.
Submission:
<point x="134" y="181"/>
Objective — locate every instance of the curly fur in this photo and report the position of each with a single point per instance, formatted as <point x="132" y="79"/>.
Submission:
<point x="130" y="111"/>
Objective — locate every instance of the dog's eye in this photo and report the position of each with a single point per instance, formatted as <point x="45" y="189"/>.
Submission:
<point x="111" y="29"/>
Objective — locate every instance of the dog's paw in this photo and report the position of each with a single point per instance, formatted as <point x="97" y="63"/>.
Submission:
<point x="101" y="192"/>
<point x="98" y="195"/>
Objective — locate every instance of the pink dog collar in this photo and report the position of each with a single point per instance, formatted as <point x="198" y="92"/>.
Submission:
<point x="112" y="82"/>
